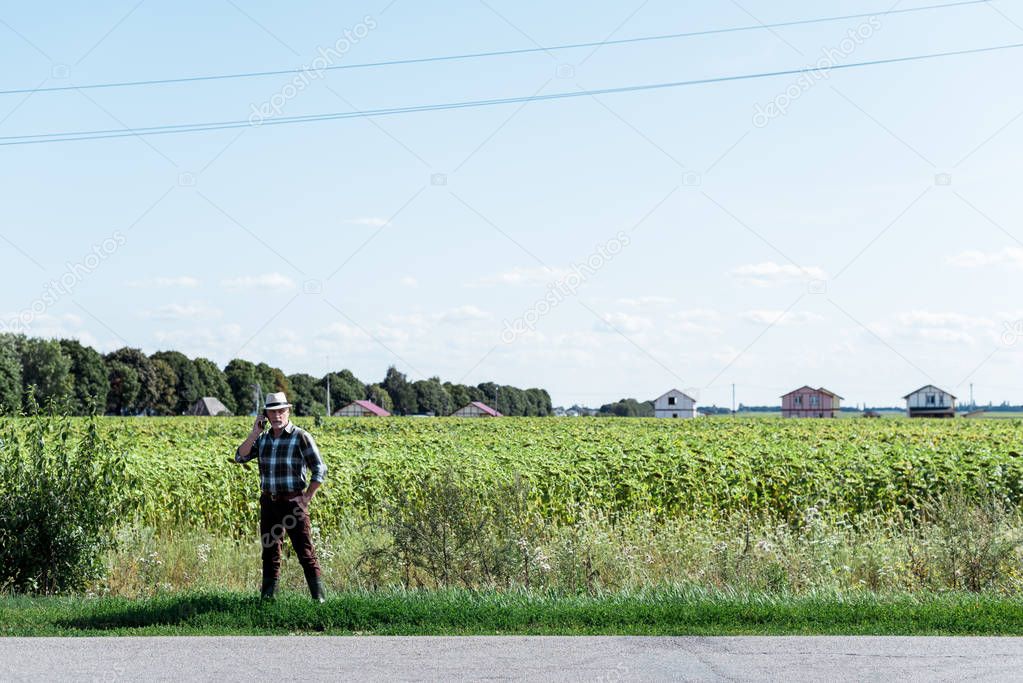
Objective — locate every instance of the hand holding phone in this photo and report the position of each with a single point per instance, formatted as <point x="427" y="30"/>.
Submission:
<point x="261" y="423"/>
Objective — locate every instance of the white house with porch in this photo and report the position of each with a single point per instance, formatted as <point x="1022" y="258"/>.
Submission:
<point x="930" y="401"/>
<point x="674" y="403"/>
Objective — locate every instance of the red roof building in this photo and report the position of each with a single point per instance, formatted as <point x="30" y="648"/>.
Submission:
<point x="362" y="408"/>
<point x="476" y="409"/>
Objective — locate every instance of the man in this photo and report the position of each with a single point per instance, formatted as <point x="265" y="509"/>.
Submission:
<point x="284" y="453"/>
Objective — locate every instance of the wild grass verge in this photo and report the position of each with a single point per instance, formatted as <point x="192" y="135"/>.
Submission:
<point x="954" y="544"/>
<point x="663" y="611"/>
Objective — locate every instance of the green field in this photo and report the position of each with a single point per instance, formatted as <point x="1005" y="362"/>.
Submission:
<point x="578" y="506"/>
<point x="178" y="473"/>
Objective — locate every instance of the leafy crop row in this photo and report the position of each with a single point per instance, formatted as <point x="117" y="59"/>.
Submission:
<point x="177" y="469"/>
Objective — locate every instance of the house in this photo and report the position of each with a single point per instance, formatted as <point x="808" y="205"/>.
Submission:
<point x="930" y="401"/>
<point x="674" y="404"/>
<point x="208" y="405"/>
<point x="362" y="408"/>
<point x="809" y="402"/>
<point x="476" y="409"/>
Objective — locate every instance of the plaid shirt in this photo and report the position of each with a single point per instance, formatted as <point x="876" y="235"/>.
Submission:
<point x="282" y="460"/>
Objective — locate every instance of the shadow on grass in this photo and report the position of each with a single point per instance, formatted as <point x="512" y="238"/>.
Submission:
<point x="453" y="612"/>
<point x="185" y="610"/>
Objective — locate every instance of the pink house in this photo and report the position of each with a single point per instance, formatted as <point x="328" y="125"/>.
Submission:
<point x="362" y="408"/>
<point x="476" y="409"/>
<point x="809" y="402"/>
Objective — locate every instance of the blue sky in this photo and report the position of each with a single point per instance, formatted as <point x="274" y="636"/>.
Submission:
<point x="866" y="239"/>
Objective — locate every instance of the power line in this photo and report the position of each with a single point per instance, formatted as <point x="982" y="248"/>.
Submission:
<point x="71" y="136"/>
<point x="497" y="53"/>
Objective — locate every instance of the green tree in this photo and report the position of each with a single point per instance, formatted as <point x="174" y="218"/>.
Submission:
<point x="431" y="396"/>
<point x="306" y="394"/>
<point x="10" y="374"/>
<point x="459" y="394"/>
<point x="345" y="387"/>
<point x="511" y="400"/>
<point x="241" y="376"/>
<point x="187" y="387"/>
<point x="213" y="382"/>
<point x="400" y="391"/>
<point x="124" y="388"/>
<point x="90" y="378"/>
<point x="281" y="382"/>
<point x="490" y="393"/>
<point x="272" y="379"/>
<point x="166" y="388"/>
<point x="379" y="395"/>
<point x="45" y="367"/>
<point x="539" y="401"/>
<point x="149" y="384"/>
<point x="627" y="407"/>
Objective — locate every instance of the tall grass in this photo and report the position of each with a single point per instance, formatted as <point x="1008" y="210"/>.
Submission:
<point x="451" y="537"/>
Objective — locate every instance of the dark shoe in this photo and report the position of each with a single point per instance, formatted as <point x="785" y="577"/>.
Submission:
<point x="268" y="589"/>
<point x="316" y="589"/>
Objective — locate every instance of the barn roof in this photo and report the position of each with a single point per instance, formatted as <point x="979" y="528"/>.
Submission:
<point x="820" y="390"/>
<point x="371" y="407"/>
<point x="485" y="408"/>
<point x="677" y="392"/>
<point x="928" y="386"/>
<point x="209" y="405"/>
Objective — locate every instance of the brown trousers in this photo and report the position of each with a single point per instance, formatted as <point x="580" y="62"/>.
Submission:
<point x="276" y="519"/>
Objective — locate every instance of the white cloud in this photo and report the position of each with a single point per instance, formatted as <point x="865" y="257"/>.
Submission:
<point x="371" y="221"/>
<point x="658" y="327"/>
<point x="267" y="281"/>
<point x="978" y="259"/>
<point x="732" y="357"/>
<point x="624" y="322"/>
<point x="641" y="301"/>
<point x="55" y="326"/>
<point x="694" y="314"/>
<point x="696" y="321"/>
<point x="932" y="319"/>
<point x="399" y="331"/>
<point x="771" y="274"/>
<point x="193" y="311"/>
<point x="778" y="317"/>
<point x="519" y="277"/>
<point x="932" y="326"/>
<point x="165" y="282"/>
<point x="409" y="281"/>
<point x="462" y="314"/>
<point x="209" y="341"/>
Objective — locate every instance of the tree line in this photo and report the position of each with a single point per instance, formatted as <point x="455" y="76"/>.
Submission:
<point x="77" y="378"/>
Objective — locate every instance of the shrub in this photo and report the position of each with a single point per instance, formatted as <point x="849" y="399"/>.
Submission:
<point x="444" y="533"/>
<point x="59" y="489"/>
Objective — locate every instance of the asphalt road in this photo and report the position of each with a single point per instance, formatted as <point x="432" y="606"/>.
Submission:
<point x="511" y="657"/>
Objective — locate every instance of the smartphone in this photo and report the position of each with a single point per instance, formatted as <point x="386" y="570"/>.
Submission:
<point x="265" y="420"/>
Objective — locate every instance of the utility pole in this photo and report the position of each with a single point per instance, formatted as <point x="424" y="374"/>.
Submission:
<point x="733" y="398"/>
<point x="257" y="395"/>
<point x="972" y="404"/>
